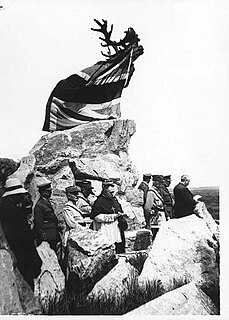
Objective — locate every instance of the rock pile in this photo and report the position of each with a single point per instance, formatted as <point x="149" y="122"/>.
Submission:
<point x="184" y="251"/>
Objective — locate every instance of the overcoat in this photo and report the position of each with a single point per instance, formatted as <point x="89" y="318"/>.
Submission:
<point x="184" y="202"/>
<point x="20" y="238"/>
<point x="44" y="215"/>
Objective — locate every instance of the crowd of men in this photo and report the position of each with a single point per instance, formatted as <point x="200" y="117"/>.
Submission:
<point x="84" y="208"/>
<point x="158" y="203"/>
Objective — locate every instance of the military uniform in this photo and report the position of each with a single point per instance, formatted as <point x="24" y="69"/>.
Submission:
<point x="154" y="208"/>
<point x="168" y="201"/>
<point x="144" y="186"/>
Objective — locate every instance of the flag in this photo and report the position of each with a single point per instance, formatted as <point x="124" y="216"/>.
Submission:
<point x="92" y="94"/>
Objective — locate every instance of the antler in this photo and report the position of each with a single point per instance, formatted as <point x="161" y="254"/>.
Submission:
<point x="107" y="36"/>
<point x="130" y="40"/>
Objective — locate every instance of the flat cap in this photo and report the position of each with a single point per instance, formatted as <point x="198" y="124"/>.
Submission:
<point x="147" y="175"/>
<point x="72" y="189"/>
<point x="158" y="177"/>
<point x="107" y="182"/>
<point x="167" y="177"/>
<point x="43" y="182"/>
<point x="84" y="184"/>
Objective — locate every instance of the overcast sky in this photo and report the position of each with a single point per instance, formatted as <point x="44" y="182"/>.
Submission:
<point x="177" y="96"/>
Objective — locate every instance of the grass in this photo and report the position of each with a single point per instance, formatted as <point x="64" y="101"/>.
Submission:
<point x="136" y="296"/>
<point x="75" y="304"/>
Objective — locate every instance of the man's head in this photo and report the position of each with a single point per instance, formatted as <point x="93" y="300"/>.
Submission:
<point x="85" y="186"/>
<point x="72" y="192"/>
<point x="44" y="187"/>
<point x="167" y="180"/>
<point x="108" y="186"/>
<point x="157" y="181"/>
<point x="147" y="177"/>
<point x="185" y="180"/>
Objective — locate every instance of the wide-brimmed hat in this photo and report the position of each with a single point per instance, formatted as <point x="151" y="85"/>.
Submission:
<point x="43" y="183"/>
<point x="13" y="186"/>
<point x="107" y="182"/>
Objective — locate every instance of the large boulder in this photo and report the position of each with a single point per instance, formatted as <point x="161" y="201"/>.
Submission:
<point x="50" y="284"/>
<point x="116" y="284"/>
<point x="26" y="167"/>
<point x="184" y="250"/>
<point x="90" y="257"/>
<point x="135" y="258"/>
<point x="7" y="167"/>
<point x="137" y="240"/>
<point x="95" y="151"/>
<point x="186" y="300"/>
<point x="203" y="213"/>
<point x="85" y="141"/>
<point x="16" y="296"/>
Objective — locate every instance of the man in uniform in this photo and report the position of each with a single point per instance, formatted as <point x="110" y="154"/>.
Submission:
<point x="144" y="186"/>
<point x="154" y="206"/>
<point x="45" y="220"/>
<point x="85" y="200"/>
<point x="167" y="197"/>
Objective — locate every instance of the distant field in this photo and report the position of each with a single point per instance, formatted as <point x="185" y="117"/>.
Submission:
<point x="210" y="196"/>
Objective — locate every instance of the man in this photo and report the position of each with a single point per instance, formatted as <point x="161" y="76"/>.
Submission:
<point x="167" y="197"/>
<point x="144" y="186"/>
<point x="85" y="199"/>
<point x="154" y="206"/>
<point x="45" y="220"/>
<point x="105" y="214"/>
<point x="72" y="215"/>
<point x="14" y="207"/>
<point x="184" y="202"/>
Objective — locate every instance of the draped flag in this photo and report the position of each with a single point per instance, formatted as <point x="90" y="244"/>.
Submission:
<point x="92" y="94"/>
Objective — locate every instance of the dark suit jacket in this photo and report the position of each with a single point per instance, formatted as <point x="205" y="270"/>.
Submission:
<point x="184" y="203"/>
<point x="19" y="237"/>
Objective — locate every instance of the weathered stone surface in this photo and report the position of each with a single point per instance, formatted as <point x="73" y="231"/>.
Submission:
<point x="138" y="239"/>
<point x="90" y="257"/>
<point x="16" y="297"/>
<point x="134" y="196"/>
<point x="87" y="141"/>
<point x="204" y="214"/>
<point x="7" y="167"/>
<point x="186" y="300"/>
<point x="98" y="150"/>
<point x="26" y="167"/>
<point x="116" y="284"/>
<point x="183" y="249"/>
<point x="50" y="283"/>
<point x="135" y="258"/>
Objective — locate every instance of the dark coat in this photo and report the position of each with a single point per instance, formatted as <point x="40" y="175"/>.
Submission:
<point x="168" y="201"/>
<point x="106" y="205"/>
<point x="145" y="188"/>
<point x="20" y="238"/>
<point x="44" y="213"/>
<point x="184" y="202"/>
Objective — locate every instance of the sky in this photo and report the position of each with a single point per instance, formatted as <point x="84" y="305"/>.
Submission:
<point x="177" y="96"/>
